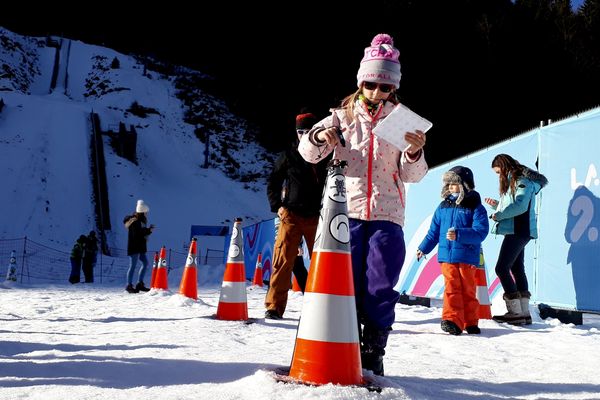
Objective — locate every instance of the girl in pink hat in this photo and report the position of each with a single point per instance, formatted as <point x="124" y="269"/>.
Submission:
<point x="375" y="189"/>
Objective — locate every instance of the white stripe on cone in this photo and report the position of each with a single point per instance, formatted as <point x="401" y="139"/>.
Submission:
<point x="482" y="295"/>
<point x="233" y="292"/>
<point x="332" y="318"/>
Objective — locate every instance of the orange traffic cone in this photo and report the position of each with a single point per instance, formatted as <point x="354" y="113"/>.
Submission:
<point x="189" y="281"/>
<point x="258" y="279"/>
<point x="154" y="268"/>
<point x="485" y="311"/>
<point x="327" y="346"/>
<point x="160" y="281"/>
<point x="233" y="304"/>
<point x="295" y="285"/>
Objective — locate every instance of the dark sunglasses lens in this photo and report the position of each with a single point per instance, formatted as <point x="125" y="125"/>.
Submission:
<point x="383" y="87"/>
<point x="302" y="131"/>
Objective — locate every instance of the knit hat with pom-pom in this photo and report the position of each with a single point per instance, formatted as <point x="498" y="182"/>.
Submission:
<point x="381" y="62"/>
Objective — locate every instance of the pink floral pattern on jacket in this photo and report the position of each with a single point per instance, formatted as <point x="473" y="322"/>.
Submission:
<point x="377" y="170"/>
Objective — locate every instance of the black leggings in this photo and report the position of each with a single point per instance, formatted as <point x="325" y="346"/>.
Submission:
<point x="512" y="260"/>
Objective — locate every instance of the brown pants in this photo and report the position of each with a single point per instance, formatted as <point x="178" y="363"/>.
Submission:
<point x="460" y="302"/>
<point x="291" y="229"/>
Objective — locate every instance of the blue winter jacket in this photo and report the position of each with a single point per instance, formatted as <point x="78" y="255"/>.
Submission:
<point x="516" y="214"/>
<point x="470" y="221"/>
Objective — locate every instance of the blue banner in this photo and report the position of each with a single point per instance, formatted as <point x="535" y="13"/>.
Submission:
<point x="563" y="264"/>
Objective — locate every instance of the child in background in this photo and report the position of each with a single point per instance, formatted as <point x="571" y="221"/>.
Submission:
<point x="459" y="225"/>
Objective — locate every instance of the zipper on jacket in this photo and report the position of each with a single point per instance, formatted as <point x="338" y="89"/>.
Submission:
<point x="370" y="160"/>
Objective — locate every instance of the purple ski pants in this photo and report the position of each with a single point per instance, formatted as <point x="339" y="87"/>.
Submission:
<point x="378" y="252"/>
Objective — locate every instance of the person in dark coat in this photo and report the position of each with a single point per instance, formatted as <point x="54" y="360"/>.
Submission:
<point x="77" y="254"/>
<point x="89" y="258"/>
<point x="137" y="237"/>
<point x="294" y="189"/>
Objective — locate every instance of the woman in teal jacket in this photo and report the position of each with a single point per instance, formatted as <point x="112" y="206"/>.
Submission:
<point x="516" y="220"/>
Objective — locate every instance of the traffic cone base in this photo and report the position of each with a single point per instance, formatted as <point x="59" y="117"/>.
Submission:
<point x="346" y="370"/>
<point x="232" y="311"/>
<point x="189" y="285"/>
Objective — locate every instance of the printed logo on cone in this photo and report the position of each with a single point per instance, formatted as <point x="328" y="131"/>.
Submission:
<point x="258" y="276"/>
<point x="189" y="280"/>
<point x="327" y="346"/>
<point x="233" y="304"/>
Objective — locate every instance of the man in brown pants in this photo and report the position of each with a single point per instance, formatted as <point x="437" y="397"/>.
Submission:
<point x="294" y="188"/>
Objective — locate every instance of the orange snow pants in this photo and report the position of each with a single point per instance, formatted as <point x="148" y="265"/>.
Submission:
<point x="460" y="302"/>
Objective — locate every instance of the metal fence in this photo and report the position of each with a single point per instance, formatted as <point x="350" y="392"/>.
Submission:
<point x="38" y="263"/>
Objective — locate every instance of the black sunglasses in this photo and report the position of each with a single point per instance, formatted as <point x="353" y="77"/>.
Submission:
<point x="302" y="131"/>
<point x="383" y="87"/>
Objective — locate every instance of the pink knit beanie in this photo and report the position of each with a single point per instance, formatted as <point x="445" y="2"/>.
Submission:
<point x="380" y="63"/>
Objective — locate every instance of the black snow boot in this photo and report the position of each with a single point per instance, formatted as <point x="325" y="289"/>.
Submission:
<point x="131" y="289"/>
<point x="141" y="288"/>
<point x="450" y="327"/>
<point x="372" y="348"/>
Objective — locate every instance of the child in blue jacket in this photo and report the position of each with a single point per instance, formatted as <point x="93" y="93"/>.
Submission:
<point x="459" y="225"/>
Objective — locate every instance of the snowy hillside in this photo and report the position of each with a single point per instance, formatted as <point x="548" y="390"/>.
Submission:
<point x="45" y="133"/>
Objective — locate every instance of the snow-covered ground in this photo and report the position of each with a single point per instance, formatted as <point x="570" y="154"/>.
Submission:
<point x="99" y="342"/>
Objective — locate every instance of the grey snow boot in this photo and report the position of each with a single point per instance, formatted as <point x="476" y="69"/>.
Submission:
<point x="514" y="315"/>
<point x="525" y="296"/>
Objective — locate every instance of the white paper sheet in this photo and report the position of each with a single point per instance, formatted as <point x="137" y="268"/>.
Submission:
<point x="401" y="120"/>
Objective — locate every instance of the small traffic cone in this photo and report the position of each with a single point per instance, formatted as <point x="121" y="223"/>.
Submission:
<point x="258" y="279"/>
<point x="189" y="281"/>
<point x="485" y="311"/>
<point x="11" y="274"/>
<point x="160" y="281"/>
<point x="154" y="268"/>
<point x="327" y="346"/>
<point x="233" y="304"/>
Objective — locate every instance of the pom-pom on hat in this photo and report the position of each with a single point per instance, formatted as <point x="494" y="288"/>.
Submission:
<point x="141" y="207"/>
<point x="305" y="120"/>
<point x="380" y="62"/>
<point x="460" y="175"/>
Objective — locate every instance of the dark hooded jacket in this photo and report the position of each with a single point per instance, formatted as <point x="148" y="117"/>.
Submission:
<point x="137" y="233"/>
<point x="297" y="184"/>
